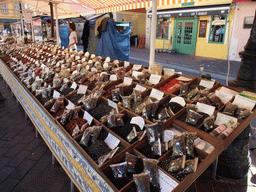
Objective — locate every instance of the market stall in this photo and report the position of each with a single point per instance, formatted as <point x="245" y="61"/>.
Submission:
<point x="117" y="126"/>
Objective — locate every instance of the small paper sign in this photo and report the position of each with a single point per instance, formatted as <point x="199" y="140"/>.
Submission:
<point x="82" y="89"/>
<point x="112" y="141"/>
<point x="140" y="88"/>
<point x="87" y="116"/>
<point x="126" y="64"/>
<point x="113" y="78"/>
<point x="138" y="121"/>
<point x="168" y="71"/>
<point x="136" y="67"/>
<point x="70" y="105"/>
<point x="182" y="78"/>
<point x="56" y="75"/>
<point x="37" y="77"/>
<point x="168" y="135"/>
<point x="223" y="119"/>
<point x="166" y="183"/>
<point x="127" y="80"/>
<point x="83" y="60"/>
<point x="136" y="74"/>
<point x="224" y="97"/>
<point x="156" y="94"/>
<point x="105" y="65"/>
<point x="56" y="94"/>
<point x="243" y="102"/>
<point x="74" y="85"/>
<point x="154" y="79"/>
<point x="227" y="90"/>
<point x="208" y="109"/>
<point x="111" y="103"/>
<point x="65" y="80"/>
<point x="206" y="83"/>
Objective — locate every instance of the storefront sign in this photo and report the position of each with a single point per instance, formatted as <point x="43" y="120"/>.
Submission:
<point x="202" y="28"/>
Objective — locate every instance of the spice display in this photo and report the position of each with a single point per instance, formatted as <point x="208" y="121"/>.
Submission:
<point x="172" y="86"/>
<point x="193" y="93"/>
<point x="126" y="101"/>
<point x="101" y="110"/>
<point x="150" y="165"/>
<point x="243" y="113"/>
<point x="179" y="147"/>
<point x="152" y="133"/>
<point x="230" y="109"/>
<point x="193" y="117"/>
<point x="190" y="138"/>
<point x="137" y="96"/>
<point x="119" y="170"/>
<point x="131" y="162"/>
<point x="115" y="120"/>
<point x="222" y="128"/>
<point x="177" y="164"/>
<point x="115" y="95"/>
<point x="183" y="89"/>
<point x="215" y="100"/>
<point x="142" y="182"/>
<point x="72" y="124"/>
<point x="209" y="123"/>
<point x="75" y="98"/>
<point x="59" y="104"/>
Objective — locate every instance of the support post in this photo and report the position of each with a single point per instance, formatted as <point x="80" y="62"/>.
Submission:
<point x="52" y="20"/>
<point x="214" y="169"/>
<point x="153" y="34"/>
<point x="36" y="132"/>
<point x="21" y="19"/>
<point x="26" y="116"/>
<point x="57" y="25"/>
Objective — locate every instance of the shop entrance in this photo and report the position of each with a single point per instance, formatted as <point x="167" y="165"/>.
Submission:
<point x="185" y="34"/>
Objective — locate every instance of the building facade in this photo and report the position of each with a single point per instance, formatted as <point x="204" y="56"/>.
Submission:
<point x="196" y="27"/>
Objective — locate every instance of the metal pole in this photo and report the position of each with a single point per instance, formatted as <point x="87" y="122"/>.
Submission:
<point x="153" y="34"/>
<point x="52" y="20"/>
<point x="57" y="25"/>
<point x="72" y="186"/>
<point x="21" y="19"/>
<point x="32" y="29"/>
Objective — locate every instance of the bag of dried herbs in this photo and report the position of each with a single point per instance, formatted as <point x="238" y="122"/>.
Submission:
<point x="142" y="182"/>
<point x="190" y="138"/>
<point x="179" y="145"/>
<point x="150" y="165"/>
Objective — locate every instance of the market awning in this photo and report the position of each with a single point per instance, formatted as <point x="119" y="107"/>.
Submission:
<point x="193" y="11"/>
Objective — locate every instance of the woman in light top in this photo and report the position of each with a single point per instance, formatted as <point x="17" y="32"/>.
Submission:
<point x="72" y="36"/>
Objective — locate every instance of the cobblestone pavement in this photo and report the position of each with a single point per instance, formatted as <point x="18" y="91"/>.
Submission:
<point x="25" y="160"/>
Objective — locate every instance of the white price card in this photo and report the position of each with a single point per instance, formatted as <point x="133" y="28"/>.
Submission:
<point x="138" y="121"/>
<point x="56" y="94"/>
<point x="105" y="65"/>
<point x="113" y="78"/>
<point x="74" y="85"/>
<point x="87" y="116"/>
<point x="127" y="80"/>
<point x="126" y="64"/>
<point x="136" y="67"/>
<point x="156" y="94"/>
<point x="224" y="97"/>
<point x="56" y="75"/>
<point x="70" y="105"/>
<point x="65" y="80"/>
<point x="37" y="77"/>
<point x="168" y="135"/>
<point x="168" y="71"/>
<point x="154" y="79"/>
<point x="166" y="183"/>
<point x="207" y="83"/>
<point x="83" y="60"/>
<point x="112" y="104"/>
<point x="112" y="141"/>
<point x="179" y="100"/>
<point x="140" y="88"/>
<point x="82" y="89"/>
<point x="223" y="119"/>
<point x="243" y="102"/>
<point x="208" y="109"/>
<point x="227" y="90"/>
<point x="136" y="74"/>
<point x="182" y="78"/>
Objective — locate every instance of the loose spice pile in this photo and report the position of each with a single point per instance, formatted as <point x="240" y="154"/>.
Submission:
<point x="101" y="110"/>
<point x="171" y="86"/>
<point x="72" y="124"/>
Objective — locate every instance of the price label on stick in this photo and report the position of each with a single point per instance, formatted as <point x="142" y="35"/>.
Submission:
<point x="87" y="116"/>
<point x="56" y="94"/>
<point x="82" y="89"/>
<point x="136" y="67"/>
<point x="70" y="105"/>
<point x="112" y="141"/>
<point x="126" y="64"/>
<point x="156" y="94"/>
<point x="112" y="104"/>
<point x="138" y="121"/>
<point x="154" y="79"/>
<point x="113" y="78"/>
<point x="74" y="85"/>
<point x="140" y="88"/>
<point x="127" y="80"/>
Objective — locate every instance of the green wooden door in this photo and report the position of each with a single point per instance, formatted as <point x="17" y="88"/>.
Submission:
<point x="185" y="35"/>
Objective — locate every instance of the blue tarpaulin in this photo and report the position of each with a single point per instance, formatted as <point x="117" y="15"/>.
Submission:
<point x="64" y="37"/>
<point x="114" y="44"/>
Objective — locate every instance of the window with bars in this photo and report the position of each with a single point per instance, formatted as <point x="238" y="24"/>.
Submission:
<point x="218" y="29"/>
<point x="162" y="30"/>
<point x="4" y="8"/>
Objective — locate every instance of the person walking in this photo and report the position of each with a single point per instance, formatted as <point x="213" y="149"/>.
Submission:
<point x="85" y="36"/>
<point x="72" y="36"/>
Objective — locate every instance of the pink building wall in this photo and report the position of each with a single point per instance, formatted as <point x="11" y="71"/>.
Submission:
<point x="239" y="34"/>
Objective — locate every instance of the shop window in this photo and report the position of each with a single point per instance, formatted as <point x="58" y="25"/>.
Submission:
<point x="17" y="8"/>
<point x="162" y="29"/>
<point x="4" y="8"/>
<point x="218" y="28"/>
<point x="248" y="22"/>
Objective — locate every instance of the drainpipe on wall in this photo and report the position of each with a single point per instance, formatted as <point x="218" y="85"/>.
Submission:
<point x="153" y="34"/>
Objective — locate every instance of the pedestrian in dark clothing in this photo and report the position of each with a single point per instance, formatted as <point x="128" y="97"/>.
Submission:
<point x="85" y="35"/>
